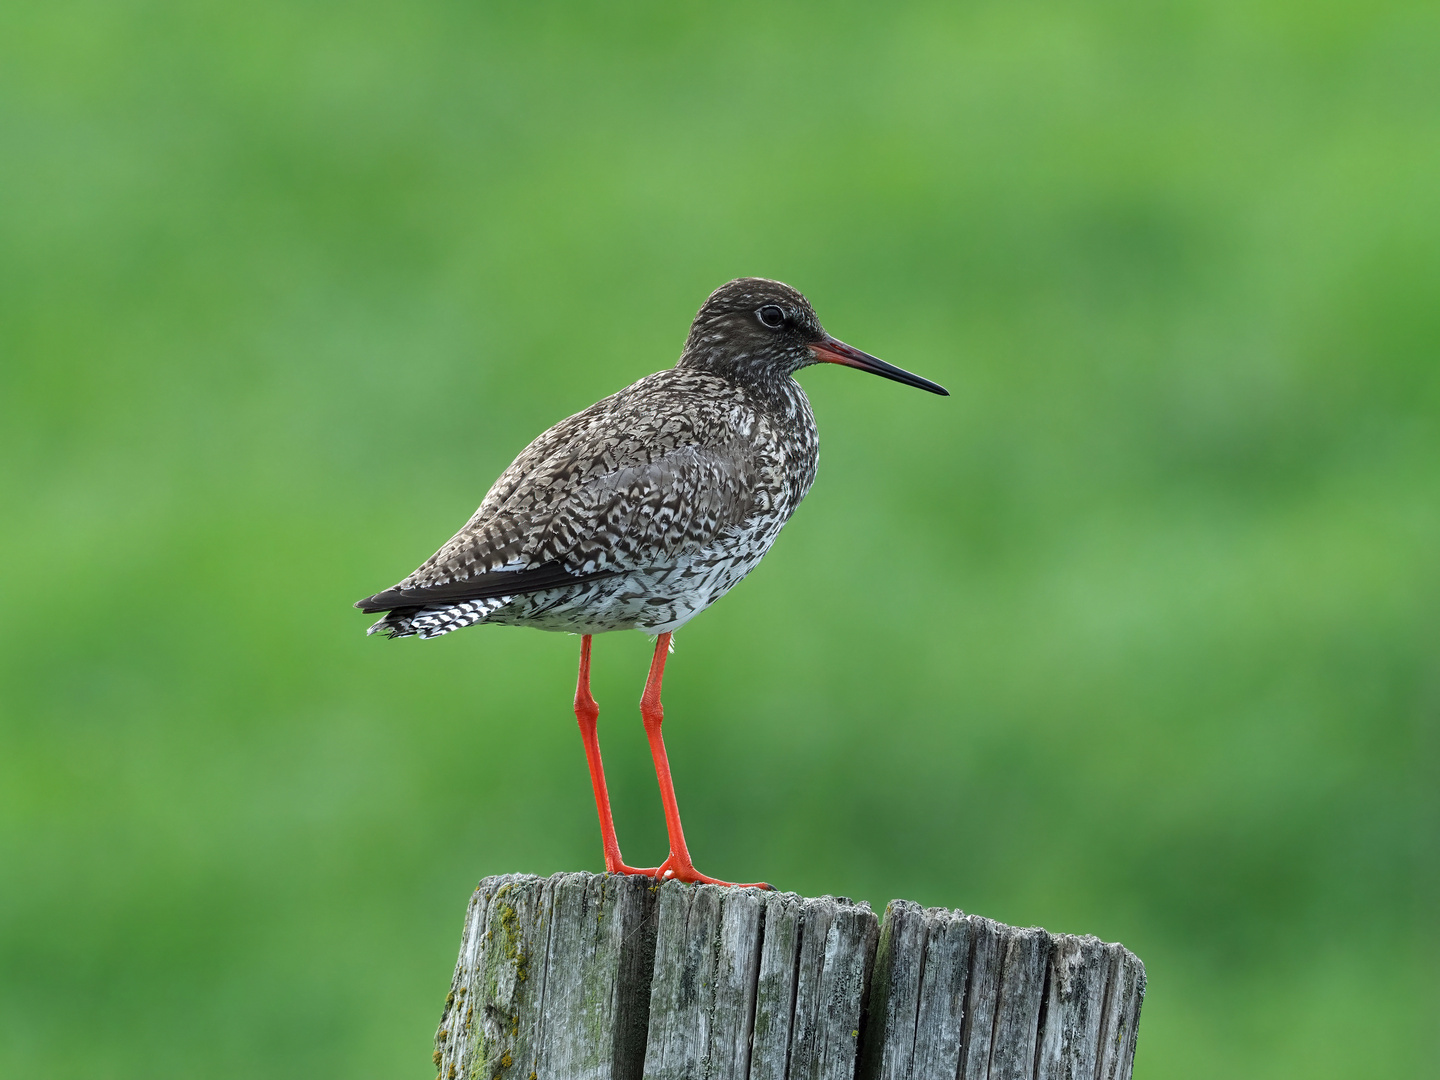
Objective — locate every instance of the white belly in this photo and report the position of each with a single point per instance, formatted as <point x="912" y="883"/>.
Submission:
<point x="654" y="600"/>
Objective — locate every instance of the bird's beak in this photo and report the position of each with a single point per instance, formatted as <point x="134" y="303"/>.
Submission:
<point x="834" y="351"/>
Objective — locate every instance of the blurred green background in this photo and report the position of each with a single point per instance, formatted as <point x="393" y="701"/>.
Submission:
<point x="1134" y="635"/>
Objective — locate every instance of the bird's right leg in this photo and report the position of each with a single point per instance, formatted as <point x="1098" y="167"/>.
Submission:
<point x="678" y="866"/>
<point x="587" y="713"/>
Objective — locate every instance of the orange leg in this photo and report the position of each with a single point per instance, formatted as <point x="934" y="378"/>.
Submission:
<point x="587" y="712"/>
<point x="678" y="866"/>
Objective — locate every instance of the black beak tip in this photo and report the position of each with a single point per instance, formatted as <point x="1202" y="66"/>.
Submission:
<point x="916" y="381"/>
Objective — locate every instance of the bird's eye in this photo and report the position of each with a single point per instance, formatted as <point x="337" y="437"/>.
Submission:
<point x="772" y="316"/>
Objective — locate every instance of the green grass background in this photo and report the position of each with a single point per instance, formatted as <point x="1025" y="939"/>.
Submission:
<point x="1136" y="634"/>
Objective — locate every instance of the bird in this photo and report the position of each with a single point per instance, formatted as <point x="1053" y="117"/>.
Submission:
<point x="641" y="511"/>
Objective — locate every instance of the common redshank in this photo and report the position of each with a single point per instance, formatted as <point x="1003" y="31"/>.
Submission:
<point x="643" y="510"/>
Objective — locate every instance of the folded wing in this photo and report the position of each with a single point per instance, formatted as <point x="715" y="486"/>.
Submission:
<point x="573" y="509"/>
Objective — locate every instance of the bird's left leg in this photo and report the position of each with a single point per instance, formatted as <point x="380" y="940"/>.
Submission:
<point x="587" y="713"/>
<point x="678" y="866"/>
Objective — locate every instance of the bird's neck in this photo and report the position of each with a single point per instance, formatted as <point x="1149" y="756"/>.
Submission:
<point x="758" y="373"/>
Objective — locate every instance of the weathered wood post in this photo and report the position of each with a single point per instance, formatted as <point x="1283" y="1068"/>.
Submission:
<point x="600" y="977"/>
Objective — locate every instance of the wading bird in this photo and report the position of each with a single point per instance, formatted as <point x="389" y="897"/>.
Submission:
<point x="643" y="510"/>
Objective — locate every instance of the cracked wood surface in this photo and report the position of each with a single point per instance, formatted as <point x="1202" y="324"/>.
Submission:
<point x="603" y="977"/>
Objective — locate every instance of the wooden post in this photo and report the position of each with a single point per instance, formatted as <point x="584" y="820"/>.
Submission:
<point x="602" y="977"/>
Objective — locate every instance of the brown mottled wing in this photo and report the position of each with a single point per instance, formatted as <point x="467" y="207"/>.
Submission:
<point x="625" y="484"/>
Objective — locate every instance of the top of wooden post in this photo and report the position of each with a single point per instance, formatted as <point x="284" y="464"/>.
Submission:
<point x="582" y="976"/>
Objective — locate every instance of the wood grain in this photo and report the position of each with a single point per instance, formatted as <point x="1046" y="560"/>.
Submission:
<point x="553" y="979"/>
<point x="586" y="976"/>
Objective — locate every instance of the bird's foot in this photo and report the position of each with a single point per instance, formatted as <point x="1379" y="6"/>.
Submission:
<point x="682" y="869"/>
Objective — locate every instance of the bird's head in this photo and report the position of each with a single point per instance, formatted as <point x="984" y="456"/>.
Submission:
<point x="754" y="329"/>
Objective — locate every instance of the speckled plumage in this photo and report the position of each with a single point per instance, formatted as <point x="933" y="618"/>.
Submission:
<point x="642" y="510"/>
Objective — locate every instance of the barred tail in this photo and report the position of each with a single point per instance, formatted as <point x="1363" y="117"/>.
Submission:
<point x="432" y="621"/>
